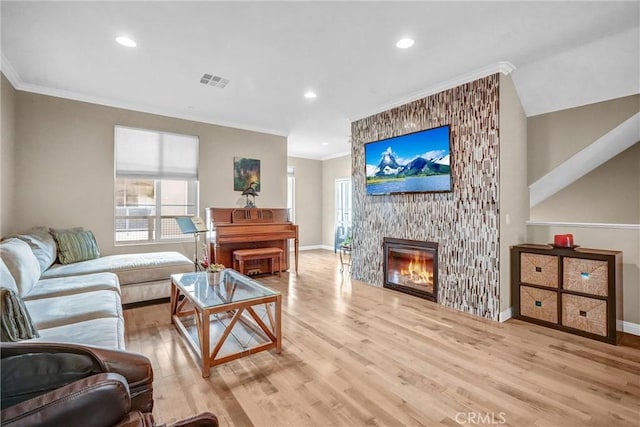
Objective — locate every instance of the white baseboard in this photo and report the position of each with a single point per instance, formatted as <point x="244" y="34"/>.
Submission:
<point x="631" y="328"/>
<point x="505" y="315"/>
<point x="309" y="248"/>
<point x="312" y="248"/>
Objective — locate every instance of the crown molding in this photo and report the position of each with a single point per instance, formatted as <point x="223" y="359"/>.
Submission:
<point x="303" y="156"/>
<point x="503" y="67"/>
<point x="167" y="112"/>
<point x="10" y="72"/>
<point x="320" y="158"/>
<point x="336" y="155"/>
<point x="18" y="84"/>
<point x="500" y="67"/>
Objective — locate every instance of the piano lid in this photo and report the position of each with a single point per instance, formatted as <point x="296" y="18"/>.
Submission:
<point x="248" y="215"/>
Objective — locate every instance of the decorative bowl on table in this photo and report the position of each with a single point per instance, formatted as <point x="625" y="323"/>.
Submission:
<point x="214" y="271"/>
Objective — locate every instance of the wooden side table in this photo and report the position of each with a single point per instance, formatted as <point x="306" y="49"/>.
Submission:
<point x="575" y="290"/>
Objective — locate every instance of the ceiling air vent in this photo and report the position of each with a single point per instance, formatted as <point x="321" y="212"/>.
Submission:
<point x="215" y="81"/>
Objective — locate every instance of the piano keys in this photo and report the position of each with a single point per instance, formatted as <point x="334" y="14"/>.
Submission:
<point x="231" y="229"/>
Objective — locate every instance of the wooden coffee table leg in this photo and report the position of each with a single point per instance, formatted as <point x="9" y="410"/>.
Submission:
<point x="278" y="324"/>
<point x="205" y="350"/>
<point x="175" y="295"/>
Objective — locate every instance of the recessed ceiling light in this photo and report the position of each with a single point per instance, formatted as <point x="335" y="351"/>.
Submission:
<point x="126" y="41"/>
<point x="310" y="94"/>
<point x="405" y="43"/>
<point x="324" y="143"/>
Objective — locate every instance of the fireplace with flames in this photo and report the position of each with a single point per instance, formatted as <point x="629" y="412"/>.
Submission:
<point x="411" y="266"/>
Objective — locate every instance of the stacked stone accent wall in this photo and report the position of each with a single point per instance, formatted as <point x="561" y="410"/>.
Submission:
<point x="465" y="222"/>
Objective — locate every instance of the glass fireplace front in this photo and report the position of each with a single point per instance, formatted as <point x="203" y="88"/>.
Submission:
<point x="411" y="266"/>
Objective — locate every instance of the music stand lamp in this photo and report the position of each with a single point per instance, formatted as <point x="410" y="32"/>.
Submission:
<point x="188" y="226"/>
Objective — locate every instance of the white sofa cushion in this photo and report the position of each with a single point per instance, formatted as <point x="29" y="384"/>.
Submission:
<point x="42" y="244"/>
<point x="22" y="264"/>
<point x="130" y="268"/>
<point x="58" y="311"/>
<point x="60" y="286"/>
<point x="6" y="279"/>
<point x="105" y="332"/>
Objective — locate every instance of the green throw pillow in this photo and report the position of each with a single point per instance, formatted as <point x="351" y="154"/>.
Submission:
<point x="75" y="246"/>
<point x="16" y="321"/>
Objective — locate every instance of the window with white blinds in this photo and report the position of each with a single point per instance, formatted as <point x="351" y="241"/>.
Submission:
<point x="156" y="181"/>
<point x="142" y="153"/>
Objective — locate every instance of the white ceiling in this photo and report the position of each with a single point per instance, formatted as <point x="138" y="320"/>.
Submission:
<point x="565" y="54"/>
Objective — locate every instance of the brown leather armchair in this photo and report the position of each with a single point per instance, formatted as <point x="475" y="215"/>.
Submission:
<point x="54" y="384"/>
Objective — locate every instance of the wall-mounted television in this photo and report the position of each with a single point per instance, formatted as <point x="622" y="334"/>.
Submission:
<point x="418" y="162"/>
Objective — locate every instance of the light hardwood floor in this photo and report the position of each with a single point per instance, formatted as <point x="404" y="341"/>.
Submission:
<point x="357" y="355"/>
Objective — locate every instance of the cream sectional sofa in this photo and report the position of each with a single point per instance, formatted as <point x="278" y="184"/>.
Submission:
<point x="82" y="302"/>
<point x="142" y="276"/>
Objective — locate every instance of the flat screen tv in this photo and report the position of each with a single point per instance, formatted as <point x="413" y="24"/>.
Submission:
<point x="418" y="162"/>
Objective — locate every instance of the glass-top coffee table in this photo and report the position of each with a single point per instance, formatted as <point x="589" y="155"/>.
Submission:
<point x="226" y="315"/>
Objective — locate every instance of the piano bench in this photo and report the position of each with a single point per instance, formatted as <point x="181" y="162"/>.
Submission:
<point x="240" y="256"/>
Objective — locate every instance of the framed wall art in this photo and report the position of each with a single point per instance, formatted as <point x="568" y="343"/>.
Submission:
<point x="245" y="172"/>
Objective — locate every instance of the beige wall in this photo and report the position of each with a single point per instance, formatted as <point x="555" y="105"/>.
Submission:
<point x="7" y="152"/>
<point x="332" y="169"/>
<point x="554" y="137"/>
<point x="65" y="175"/>
<point x="610" y="194"/>
<point x="514" y="206"/>
<point x="308" y="200"/>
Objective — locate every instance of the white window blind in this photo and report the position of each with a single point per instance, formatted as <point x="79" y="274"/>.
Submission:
<point x="142" y="153"/>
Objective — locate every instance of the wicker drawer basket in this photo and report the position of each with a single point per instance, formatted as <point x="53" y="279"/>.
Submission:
<point x="539" y="304"/>
<point x="539" y="270"/>
<point x="586" y="314"/>
<point x="586" y="275"/>
<point x="578" y="291"/>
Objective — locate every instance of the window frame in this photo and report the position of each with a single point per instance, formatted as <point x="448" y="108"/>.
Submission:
<point x="291" y="192"/>
<point x="157" y="187"/>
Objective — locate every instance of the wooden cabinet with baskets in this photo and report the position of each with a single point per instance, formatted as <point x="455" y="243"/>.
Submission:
<point x="573" y="289"/>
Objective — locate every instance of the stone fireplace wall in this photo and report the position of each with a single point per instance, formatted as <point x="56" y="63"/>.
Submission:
<point x="465" y="222"/>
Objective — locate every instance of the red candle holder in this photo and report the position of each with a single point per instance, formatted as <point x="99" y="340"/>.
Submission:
<point x="563" y="240"/>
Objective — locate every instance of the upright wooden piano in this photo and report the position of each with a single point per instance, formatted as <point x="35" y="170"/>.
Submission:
<point x="231" y="229"/>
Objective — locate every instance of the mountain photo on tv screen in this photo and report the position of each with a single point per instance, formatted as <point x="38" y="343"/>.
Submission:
<point x="418" y="162"/>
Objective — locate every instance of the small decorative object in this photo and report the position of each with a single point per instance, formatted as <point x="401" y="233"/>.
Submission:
<point x="563" y="240"/>
<point x="214" y="272"/>
<point x="216" y="268"/>
<point x="250" y="191"/>
<point x="245" y="173"/>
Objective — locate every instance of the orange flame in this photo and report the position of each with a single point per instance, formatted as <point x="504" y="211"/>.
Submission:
<point x="418" y="271"/>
